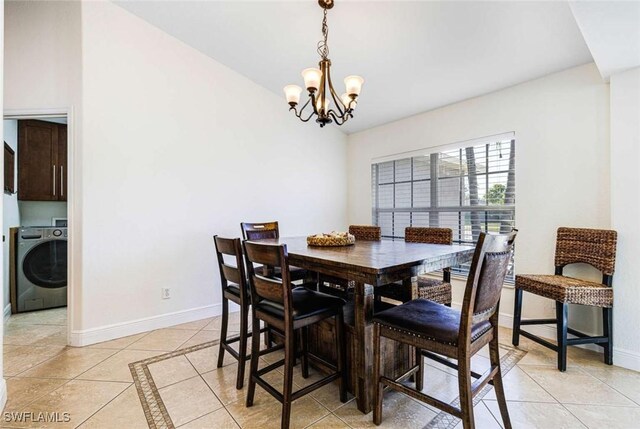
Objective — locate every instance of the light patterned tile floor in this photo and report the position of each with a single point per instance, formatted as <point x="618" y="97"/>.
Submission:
<point x="95" y="386"/>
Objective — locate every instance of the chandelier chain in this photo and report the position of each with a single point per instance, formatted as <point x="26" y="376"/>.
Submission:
<point x="323" y="47"/>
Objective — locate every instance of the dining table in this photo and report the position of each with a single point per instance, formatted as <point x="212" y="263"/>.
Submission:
<point x="367" y="265"/>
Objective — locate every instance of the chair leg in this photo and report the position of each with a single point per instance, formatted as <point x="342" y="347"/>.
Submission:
<point x="242" y="346"/>
<point x="377" y="388"/>
<point x="305" y="352"/>
<point x="223" y="330"/>
<point x="494" y="356"/>
<point x="607" y="325"/>
<point x="255" y="357"/>
<point x="420" y="374"/>
<point x="342" y="356"/>
<point x="289" y="362"/>
<point x="517" y="317"/>
<point x="466" y="397"/>
<point x="562" y="321"/>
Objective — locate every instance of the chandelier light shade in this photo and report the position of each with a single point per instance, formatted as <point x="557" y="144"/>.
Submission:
<point x="323" y="101"/>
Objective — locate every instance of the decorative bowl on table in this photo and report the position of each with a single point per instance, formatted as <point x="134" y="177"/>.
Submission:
<point x="333" y="239"/>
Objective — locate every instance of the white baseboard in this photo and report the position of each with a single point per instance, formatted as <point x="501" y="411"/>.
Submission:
<point x="7" y="312"/>
<point x="123" y="329"/>
<point x="626" y="358"/>
<point x="3" y="393"/>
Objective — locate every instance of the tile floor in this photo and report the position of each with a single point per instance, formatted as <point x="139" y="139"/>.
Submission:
<point x="94" y="385"/>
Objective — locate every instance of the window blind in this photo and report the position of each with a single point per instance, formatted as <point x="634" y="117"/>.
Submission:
<point x="469" y="189"/>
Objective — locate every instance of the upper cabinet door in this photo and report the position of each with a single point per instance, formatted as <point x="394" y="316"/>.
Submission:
<point x="62" y="162"/>
<point x="38" y="169"/>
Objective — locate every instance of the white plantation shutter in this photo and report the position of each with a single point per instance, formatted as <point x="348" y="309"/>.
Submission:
<point x="468" y="189"/>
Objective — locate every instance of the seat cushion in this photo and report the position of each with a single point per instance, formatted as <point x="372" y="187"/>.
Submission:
<point x="428" y="319"/>
<point x="306" y="303"/>
<point x="434" y="290"/>
<point x="566" y="289"/>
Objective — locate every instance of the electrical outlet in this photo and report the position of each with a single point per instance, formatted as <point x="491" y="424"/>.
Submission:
<point x="166" y="293"/>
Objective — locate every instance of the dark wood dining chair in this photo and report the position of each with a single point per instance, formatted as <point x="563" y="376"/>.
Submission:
<point x="269" y="230"/>
<point x="290" y="310"/>
<point x="434" y="328"/>
<point x="596" y="247"/>
<point x="235" y="288"/>
<point x="425" y="287"/>
<point x="366" y="232"/>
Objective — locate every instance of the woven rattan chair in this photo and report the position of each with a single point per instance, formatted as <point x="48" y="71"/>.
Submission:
<point x="434" y="328"/>
<point x="425" y="287"/>
<point x="366" y="232"/>
<point x="595" y="247"/>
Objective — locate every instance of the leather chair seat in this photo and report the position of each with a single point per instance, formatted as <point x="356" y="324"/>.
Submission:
<point x="306" y="303"/>
<point x="430" y="320"/>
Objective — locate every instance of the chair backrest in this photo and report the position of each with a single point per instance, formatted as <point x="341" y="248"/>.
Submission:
<point x="276" y="289"/>
<point x="365" y="232"/>
<point x="232" y="248"/>
<point x="414" y="234"/>
<point x="596" y="247"/>
<point x="488" y="270"/>
<point x="260" y="231"/>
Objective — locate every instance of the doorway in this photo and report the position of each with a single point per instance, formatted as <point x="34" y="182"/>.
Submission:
<point x="36" y="228"/>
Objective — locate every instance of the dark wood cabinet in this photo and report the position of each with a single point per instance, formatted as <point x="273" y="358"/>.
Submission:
<point x="42" y="161"/>
<point x="9" y="169"/>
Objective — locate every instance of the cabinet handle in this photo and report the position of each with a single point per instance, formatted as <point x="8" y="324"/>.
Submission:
<point x="54" y="180"/>
<point x="62" y="180"/>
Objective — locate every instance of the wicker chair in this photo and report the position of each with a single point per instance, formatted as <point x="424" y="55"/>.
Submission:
<point x="366" y="232"/>
<point x="455" y="334"/>
<point x="595" y="247"/>
<point x="426" y="287"/>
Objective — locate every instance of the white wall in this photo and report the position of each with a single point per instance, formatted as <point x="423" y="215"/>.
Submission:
<point x="625" y="212"/>
<point x="176" y="148"/>
<point x="561" y="125"/>
<point x="171" y="147"/>
<point x="10" y="211"/>
<point x="40" y="213"/>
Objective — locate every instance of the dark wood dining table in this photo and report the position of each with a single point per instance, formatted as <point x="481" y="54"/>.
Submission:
<point x="370" y="264"/>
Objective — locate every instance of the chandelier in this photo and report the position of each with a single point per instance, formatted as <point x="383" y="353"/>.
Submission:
<point x="320" y="88"/>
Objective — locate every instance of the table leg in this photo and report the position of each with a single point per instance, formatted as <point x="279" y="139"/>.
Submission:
<point x="363" y="350"/>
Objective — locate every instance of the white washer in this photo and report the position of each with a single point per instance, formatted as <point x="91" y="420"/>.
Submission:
<point x="42" y="268"/>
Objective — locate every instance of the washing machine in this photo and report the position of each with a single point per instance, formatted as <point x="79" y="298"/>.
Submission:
<point x="41" y="258"/>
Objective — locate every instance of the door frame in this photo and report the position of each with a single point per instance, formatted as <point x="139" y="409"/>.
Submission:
<point x="74" y="248"/>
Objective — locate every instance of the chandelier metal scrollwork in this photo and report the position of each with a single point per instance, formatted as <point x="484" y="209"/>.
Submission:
<point x="320" y="88"/>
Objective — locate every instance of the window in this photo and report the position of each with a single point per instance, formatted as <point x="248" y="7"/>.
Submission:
<point x="470" y="190"/>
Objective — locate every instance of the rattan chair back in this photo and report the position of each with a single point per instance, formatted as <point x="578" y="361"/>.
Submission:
<point x="596" y="247"/>
<point x="366" y="232"/>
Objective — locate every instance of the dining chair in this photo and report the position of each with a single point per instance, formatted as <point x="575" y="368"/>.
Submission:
<point x="290" y="310"/>
<point x="426" y="286"/>
<point x="269" y="230"/>
<point x="434" y="328"/>
<point x="596" y="247"/>
<point x="236" y="289"/>
<point x="366" y="232"/>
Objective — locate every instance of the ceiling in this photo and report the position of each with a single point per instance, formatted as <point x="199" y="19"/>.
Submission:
<point x="414" y="56"/>
<point x="612" y="32"/>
